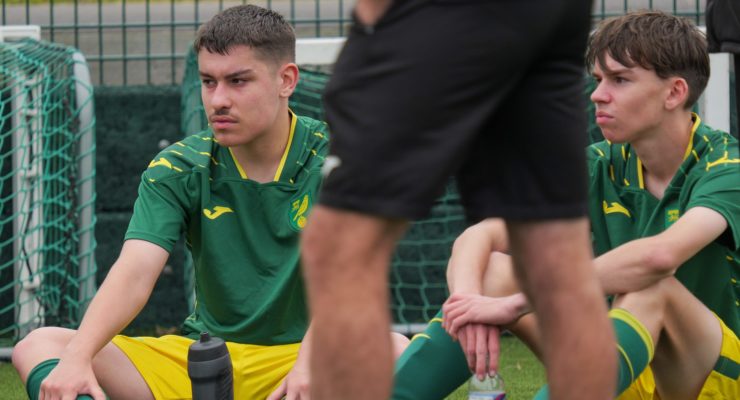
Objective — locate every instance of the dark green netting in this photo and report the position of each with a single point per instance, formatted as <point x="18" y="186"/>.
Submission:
<point x="47" y="193"/>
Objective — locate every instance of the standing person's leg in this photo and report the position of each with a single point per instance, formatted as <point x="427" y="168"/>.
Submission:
<point x="407" y="104"/>
<point x="346" y="257"/>
<point x="553" y="263"/>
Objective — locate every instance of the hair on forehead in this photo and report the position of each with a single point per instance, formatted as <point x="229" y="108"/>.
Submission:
<point x="263" y="30"/>
<point x="663" y="43"/>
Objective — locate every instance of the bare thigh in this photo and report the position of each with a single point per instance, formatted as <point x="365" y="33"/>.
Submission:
<point x="115" y="373"/>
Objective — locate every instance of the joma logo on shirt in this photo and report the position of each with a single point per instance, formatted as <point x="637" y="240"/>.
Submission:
<point x="615" y="208"/>
<point x="217" y="212"/>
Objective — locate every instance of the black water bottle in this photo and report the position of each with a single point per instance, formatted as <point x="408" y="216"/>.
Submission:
<point x="209" y="368"/>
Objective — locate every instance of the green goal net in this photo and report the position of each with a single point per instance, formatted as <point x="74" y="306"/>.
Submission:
<point x="47" y="193"/>
<point x="417" y="280"/>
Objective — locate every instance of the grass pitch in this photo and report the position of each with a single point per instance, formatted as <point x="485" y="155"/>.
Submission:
<point x="522" y="372"/>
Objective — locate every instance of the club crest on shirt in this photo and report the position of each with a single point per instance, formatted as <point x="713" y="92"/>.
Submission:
<point x="299" y="207"/>
<point x="671" y="216"/>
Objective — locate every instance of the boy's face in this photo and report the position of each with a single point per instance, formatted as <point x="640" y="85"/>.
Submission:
<point x="242" y="94"/>
<point x="629" y="101"/>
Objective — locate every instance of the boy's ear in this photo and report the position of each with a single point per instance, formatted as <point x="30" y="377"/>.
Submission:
<point x="289" y="79"/>
<point x="678" y="94"/>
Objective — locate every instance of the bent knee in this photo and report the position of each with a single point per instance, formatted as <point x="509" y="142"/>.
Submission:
<point x="39" y="345"/>
<point x="657" y="294"/>
<point x="499" y="278"/>
<point x="400" y="342"/>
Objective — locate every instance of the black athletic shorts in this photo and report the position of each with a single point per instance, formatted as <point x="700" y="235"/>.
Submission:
<point x="489" y="91"/>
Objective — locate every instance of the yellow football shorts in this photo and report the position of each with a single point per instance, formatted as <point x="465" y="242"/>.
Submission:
<point x="722" y="383"/>
<point x="163" y="363"/>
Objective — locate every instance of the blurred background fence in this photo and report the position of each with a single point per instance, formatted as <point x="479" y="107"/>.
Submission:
<point x="145" y="41"/>
<point x="147" y="96"/>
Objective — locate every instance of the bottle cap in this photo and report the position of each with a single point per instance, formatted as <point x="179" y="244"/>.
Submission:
<point x="207" y="348"/>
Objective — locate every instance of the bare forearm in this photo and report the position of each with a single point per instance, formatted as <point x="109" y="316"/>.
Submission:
<point x="520" y="304"/>
<point x="471" y="254"/>
<point x="109" y="313"/>
<point x="632" y="267"/>
<point x="120" y="298"/>
<point x="643" y="262"/>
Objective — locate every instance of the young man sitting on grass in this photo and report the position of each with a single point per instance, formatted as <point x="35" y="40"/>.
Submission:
<point x="240" y="192"/>
<point x="665" y="221"/>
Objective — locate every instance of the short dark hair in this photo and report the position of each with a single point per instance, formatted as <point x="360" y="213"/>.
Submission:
<point x="263" y="30"/>
<point x="664" y="43"/>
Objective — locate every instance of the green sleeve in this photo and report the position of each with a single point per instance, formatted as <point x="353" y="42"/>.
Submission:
<point x="719" y="190"/>
<point x="160" y="211"/>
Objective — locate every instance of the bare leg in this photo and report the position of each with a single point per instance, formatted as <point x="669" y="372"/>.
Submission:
<point x="687" y="336"/>
<point x="553" y="265"/>
<point x="399" y="343"/>
<point x="114" y="371"/>
<point x="346" y="258"/>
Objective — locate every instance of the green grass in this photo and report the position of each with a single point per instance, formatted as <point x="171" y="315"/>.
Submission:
<point x="11" y="387"/>
<point x="522" y="373"/>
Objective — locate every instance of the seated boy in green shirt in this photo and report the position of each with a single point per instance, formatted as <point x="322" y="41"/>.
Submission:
<point x="240" y="192"/>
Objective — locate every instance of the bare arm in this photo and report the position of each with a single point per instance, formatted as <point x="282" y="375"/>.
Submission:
<point x="630" y="267"/>
<point x="640" y="263"/>
<point x="471" y="252"/>
<point x="132" y="277"/>
<point x="120" y="298"/>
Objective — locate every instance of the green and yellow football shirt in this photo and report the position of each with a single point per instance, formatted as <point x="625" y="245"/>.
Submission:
<point x="243" y="235"/>
<point x="621" y="209"/>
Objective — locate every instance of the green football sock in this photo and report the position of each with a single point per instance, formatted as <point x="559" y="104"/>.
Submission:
<point x="635" y="347"/>
<point x="431" y="367"/>
<point x="38" y="374"/>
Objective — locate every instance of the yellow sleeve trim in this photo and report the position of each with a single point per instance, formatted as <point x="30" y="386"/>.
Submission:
<point x="433" y="320"/>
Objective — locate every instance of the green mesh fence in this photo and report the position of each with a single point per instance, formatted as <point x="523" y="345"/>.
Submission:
<point x="417" y="280"/>
<point x="47" y="194"/>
